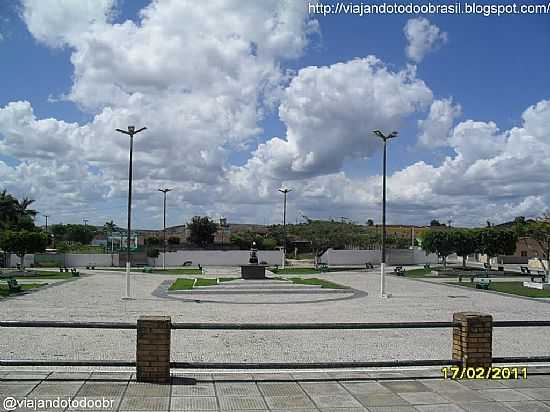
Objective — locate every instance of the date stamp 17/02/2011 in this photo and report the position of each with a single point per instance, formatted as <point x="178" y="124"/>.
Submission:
<point x="457" y="373"/>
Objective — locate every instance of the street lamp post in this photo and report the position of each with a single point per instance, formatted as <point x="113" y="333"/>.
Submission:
<point x="130" y="132"/>
<point x="385" y="139"/>
<point x="284" y="191"/>
<point x="164" y="191"/>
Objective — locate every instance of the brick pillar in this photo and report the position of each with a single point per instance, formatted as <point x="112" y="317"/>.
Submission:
<point x="153" y="349"/>
<point x="473" y="339"/>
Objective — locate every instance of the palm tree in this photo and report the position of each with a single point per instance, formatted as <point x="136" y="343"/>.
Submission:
<point x="109" y="227"/>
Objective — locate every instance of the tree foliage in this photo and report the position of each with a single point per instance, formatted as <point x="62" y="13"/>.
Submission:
<point x="493" y="241"/>
<point x="540" y="232"/>
<point x="202" y="231"/>
<point x="15" y="214"/>
<point x="466" y="242"/>
<point x="73" y="233"/>
<point x="22" y="242"/>
<point x="441" y="242"/>
<point x="244" y="240"/>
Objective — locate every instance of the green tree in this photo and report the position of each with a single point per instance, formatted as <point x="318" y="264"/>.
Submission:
<point x="109" y="227"/>
<point x="79" y="233"/>
<point x="370" y="222"/>
<point x="174" y="240"/>
<point x="22" y="242"/>
<point x="465" y="242"/>
<point x="152" y="241"/>
<point x="153" y="253"/>
<point x="493" y="241"/>
<point x="540" y="232"/>
<point x="15" y="214"/>
<point x="202" y="231"/>
<point x="440" y="242"/>
<point x="269" y="244"/>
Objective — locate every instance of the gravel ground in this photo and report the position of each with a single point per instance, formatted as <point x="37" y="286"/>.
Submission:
<point x="97" y="298"/>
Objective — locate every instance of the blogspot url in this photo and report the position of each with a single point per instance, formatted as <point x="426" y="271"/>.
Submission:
<point x="472" y="8"/>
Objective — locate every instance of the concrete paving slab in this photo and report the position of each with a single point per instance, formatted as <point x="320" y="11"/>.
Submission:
<point x="47" y="388"/>
<point x="289" y="402"/>
<point x="147" y="389"/>
<point x="502" y="395"/>
<point x="363" y="388"/>
<point x="239" y="403"/>
<point x="528" y="406"/>
<point x="381" y="399"/>
<point x="405" y="386"/>
<point x="323" y="388"/>
<point x="280" y="389"/>
<point x="484" y="407"/>
<point x="95" y="388"/>
<point x="540" y="394"/>
<point x="237" y="389"/>
<point x="201" y="389"/>
<point x="423" y="398"/>
<point x="134" y="403"/>
<point x="194" y="403"/>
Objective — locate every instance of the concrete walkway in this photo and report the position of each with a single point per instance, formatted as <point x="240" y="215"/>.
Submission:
<point x="318" y="391"/>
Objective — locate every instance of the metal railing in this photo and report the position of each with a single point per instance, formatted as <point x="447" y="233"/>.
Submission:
<point x="268" y="326"/>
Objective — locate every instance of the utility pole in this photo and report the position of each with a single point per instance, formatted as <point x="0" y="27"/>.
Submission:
<point x="385" y="138"/>
<point x="164" y="191"/>
<point x="130" y="132"/>
<point x="85" y="230"/>
<point x="284" y="191"/>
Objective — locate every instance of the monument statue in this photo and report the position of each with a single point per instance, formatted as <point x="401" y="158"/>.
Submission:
<point x="253" y="270"/>
<point x="253" y="254"/>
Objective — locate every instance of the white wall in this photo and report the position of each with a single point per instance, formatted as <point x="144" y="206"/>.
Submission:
<point x="80" y="260"/>
<point x="15" y="260"/>
<point x="393" y="257"/>
<point x="217" y="257"/>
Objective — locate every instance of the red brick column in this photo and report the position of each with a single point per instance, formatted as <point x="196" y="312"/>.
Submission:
<point x="473" y="339"/>
<point x="153" y="349"/>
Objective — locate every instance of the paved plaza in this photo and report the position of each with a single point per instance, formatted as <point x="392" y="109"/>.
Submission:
<point x="300" y="392"/>
<point x="96" y="297"/>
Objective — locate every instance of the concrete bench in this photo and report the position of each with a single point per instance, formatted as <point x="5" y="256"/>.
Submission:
<point x="13" y="286"/>
<point x="369" y="265"/>
<point x="187" y="263"/>
<point x="483" y="284"/>
<point x="482" y="275"/>
<point x="323" y="267"/>
<point x="398" y="270"/>
<point x="75" y="273"/>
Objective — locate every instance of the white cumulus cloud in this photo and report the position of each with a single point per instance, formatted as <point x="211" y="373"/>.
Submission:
<point x="422" y="37"/>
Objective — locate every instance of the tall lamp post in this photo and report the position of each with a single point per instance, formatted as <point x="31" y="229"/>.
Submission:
<point x="164" y="191"/>
<point x="130" y="132"/>
<point x="284" y="191"/>
<point x="385" y="139"/>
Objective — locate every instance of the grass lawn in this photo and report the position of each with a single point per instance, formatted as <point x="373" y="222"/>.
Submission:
<point x="37" y="274"/>
<point x="318" y="282"/>
<point x="309" y="271"/>
<point x="513" y="288"/>
<point x="4" y="290"/>
<point x="426" y="273"/>
<point x="176" y="271"/>
<point x="185" y="284"/>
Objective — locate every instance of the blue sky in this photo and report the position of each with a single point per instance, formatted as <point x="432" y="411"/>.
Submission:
<point x="490" y="69"/>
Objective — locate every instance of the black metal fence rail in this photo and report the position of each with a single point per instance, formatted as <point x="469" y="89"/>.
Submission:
<point x="314" y="326"/>
<point x="269" y="326"/>
<point x="62" y="324"/>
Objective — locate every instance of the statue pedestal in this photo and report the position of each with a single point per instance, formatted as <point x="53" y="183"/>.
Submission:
<point x="253" y="271"/>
